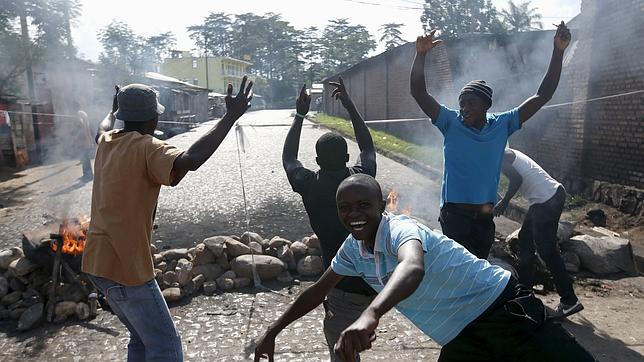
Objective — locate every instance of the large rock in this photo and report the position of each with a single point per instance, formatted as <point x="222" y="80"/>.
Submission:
<point x="603" y="255"/>
<point x="285" y="277"/>
<point x="226" y="281"/>
<point x="82" y="311"/>
<point x="241" y="282"/>
<point x="310" y="265"/>
<point x="299" y="249"/>
<point x="236" y="248"/>
<point x="223" y="261"/>
<point x="22" y="266"/>
<point x="184" y="271"/>
<point x="209" y="271"/>
<point x="278" y="241"/>
<point x="313" y="242"/>
<point x="285" y="254"/>
<point x="249" y="236"/>
<point x="565" y="230"/>
<point x="170" y="277"/>
<point x="9" y="255"/>
<point x="256" y="248"/>
<point x="268" y="267"/>
<point x="11" y="298"/>
<point x="175" y="254"/>
<point x="216" y="244"/>
<point x="4" y="287"/>
<point x="30" y="317"/>
<point x="210" y="287"/>
<point x="172" y="294"/>
<point x="202" y="255"/>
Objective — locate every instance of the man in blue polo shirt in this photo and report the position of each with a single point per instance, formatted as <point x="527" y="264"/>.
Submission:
<point x="474" y="141"/>
<point x="475" y="310"/>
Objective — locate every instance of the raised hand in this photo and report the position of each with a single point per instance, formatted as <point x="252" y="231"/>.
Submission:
<point x="303" y="102"/>
<point x="340" y="92"/>
<point x="265" y="348"/>
<point x="237" y="106"/>
<point x="562" y="36"/>
<point x="425" y="42"/>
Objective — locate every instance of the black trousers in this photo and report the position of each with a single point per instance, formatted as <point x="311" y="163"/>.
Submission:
<point x="539" y="233"/>
<point x="474" y="232"/>
<point x="514" y="328"/>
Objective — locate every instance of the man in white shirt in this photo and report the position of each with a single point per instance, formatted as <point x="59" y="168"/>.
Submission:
<point x="546" y="197"/>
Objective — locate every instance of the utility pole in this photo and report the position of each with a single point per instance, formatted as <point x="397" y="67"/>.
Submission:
<point x="30" y="75"/>
<point x="206" y="54"/>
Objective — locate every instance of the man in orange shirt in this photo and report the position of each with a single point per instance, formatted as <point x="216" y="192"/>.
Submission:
<point x="130" y="167"/>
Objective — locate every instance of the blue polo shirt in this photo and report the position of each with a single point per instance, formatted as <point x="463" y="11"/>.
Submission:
<point x="456" y="289"/>
<point x="472" y="158"/>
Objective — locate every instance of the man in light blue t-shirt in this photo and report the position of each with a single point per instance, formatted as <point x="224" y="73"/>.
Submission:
<point x="475" y="310"/>
<point x="474" y="144"/>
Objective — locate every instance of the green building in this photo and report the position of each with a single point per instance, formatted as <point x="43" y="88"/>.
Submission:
<point x="220" y="70"/>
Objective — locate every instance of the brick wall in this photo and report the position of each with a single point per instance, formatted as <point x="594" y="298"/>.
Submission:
<point x="579" y="143"/>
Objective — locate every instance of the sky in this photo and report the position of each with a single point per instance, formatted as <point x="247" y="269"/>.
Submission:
<point x="150" y="17"/>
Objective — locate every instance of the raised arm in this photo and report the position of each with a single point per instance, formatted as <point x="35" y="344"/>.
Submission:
<point x="550" y="81"/>
<point x="107" y="124"/>
<point x="515" y="182"/>
<point x="292" y="142"/>
<point x="427" y="103"/>
<point x="206" y="145"/>
<point x="363" y="136"/>
<point x="306" y="302"/>
<point x="403" y="282"/>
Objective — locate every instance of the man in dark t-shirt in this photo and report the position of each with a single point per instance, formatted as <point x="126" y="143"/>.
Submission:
<point x="352" y="295"/>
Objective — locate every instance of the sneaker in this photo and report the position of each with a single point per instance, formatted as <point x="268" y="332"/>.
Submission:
<point x="565" y="310"/>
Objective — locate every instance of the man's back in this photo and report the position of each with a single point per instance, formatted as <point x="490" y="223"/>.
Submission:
<point x="130" y="169"/>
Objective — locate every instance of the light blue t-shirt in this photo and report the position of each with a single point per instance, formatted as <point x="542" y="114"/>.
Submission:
<point x="456" y="289"/>
<point x="472" y="158"/>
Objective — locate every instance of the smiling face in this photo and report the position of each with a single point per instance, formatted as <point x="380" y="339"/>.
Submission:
<point x="360" y="206"/>
<point x="473" y="109"/>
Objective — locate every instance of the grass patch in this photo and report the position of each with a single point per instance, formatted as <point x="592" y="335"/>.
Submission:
<point x="574" y="201"/>
<point x="431" y="156"/>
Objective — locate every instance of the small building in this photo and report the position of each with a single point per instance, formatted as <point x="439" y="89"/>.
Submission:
<point x="214" y="74"/>
<point x="185" y="104"/>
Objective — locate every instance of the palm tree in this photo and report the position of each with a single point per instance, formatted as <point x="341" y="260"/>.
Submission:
<point x="521" y="17"/>
<point x="391" y="35"/>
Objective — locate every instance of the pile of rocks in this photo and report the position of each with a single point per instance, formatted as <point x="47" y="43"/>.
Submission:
<point x="25" y="287"/>
<point x="225" y="263"/>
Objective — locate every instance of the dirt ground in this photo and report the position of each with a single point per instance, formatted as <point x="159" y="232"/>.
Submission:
<point x="223" y="326"/>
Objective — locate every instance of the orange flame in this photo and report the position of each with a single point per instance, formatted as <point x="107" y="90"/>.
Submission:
<point x="74" y="233"/>
<point x="392" y="204"/>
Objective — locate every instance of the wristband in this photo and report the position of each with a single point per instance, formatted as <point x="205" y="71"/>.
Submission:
<point x="300" y="115"/>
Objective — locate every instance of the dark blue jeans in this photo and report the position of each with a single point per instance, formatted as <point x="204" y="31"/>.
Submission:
<point x="153" y="335"/>
<point x="474" y="232"/>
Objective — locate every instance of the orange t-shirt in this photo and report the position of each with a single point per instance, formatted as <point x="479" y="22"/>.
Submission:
<point x="129" y="170"/>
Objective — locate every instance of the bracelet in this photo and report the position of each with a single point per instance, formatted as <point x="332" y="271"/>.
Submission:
<point x="300" y="115"/>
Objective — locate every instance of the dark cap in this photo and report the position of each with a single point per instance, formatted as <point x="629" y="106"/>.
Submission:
<point x="480" y="88"/>
<point x="137" y="103"/>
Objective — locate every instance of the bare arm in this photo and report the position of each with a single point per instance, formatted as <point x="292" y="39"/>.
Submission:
<point x="427" y="103"/>
<point x="403" y="282"/>
<point x="292" y="142"/>
<point x="306" y="302"/>
<point x="551" y="80"/>
<point x="207" y="144"/>
<point x="107" y="124"/>
<point x="515" y="183"/>
<point x="363" y="136"/>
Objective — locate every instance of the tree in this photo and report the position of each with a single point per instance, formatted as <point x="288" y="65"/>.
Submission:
<point x="46" y="34"/>
<point x="214" y="34"/>
<point x="157" y="47"/>
<point x="344" y="45"/>
<point x="456" y="17"/>
<point x="391" y="35"/>
<point x="521" y="17"/>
